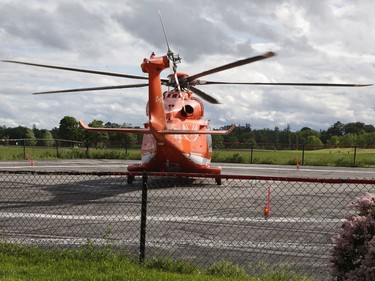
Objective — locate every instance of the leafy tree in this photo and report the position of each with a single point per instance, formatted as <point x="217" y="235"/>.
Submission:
<point x="248" y="138"/>
<point x="261" y="136"/>
<point x="336" y="129"/>
<point x="348" y="140"/>
<point x="350" y="134"/>
<point x="324" y="136"/>
<point x="369" y="128"/>
<point x="229" y="140"/>
<point x="128" y="140"/>
<point x="217" y="141"/>
<point x="97" y="139"/>
<point x="354" y="128"/>
<point x="286" y="136"/>
<point x="305" y="133"/>
<point x="334" y="141"/>
<point x="17" y="132"/>
<point x="314" y="142"/>
<point x="48" y="139"/>
<point x="70" y="129"/>
<point x="3" y="133"/>
<point x="360" y="139"/>
<point x="39" y="134"/>
<point x="55" y="133"/>
<point x="121" y="139"/>
<point x="31" y="139"/>
<point x="264" y="136"/>
<point x="276" y="136"/>
<point x="370" y="139"/>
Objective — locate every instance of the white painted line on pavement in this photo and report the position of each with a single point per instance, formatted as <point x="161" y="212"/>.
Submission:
<point x="301" y="169"/>
<point x="62" y="166"/>
<point x="173" y="218"/>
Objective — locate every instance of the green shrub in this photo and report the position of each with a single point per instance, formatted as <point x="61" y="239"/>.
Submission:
<point x="353" y="256"/>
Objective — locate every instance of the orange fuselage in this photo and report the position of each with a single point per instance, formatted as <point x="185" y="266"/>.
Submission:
<point x="168" y="111"/>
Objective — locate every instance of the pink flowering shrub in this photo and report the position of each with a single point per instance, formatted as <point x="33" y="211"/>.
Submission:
<point x="353" y="256"/>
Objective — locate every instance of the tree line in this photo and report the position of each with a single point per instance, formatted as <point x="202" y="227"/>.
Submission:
<point x="338" y="134"/>
<point x="70" y="133"/>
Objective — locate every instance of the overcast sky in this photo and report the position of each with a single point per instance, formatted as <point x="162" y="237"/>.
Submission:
<point x="329" y="41"/>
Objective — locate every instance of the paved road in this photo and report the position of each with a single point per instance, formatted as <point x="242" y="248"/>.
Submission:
<point x="188" y="219"/>
<point x="229" y="169"/>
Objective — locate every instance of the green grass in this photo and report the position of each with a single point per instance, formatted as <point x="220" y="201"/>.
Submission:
<point x="322" y="157"/>
<point x="38" y="153"/>
<point x="87" y="263"/>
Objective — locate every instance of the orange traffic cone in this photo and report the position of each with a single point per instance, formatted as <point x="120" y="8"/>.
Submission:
<point x="266" y="212"/>
<point x="267" y="208"/>
<point x="31" y="162"/>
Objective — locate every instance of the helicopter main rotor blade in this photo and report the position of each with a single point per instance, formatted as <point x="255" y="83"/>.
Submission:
<point x="80" y="70"/>
<point x="203" y="95"/>
<point x="92" y="89"/>
<point x="202" y="82"/>
<point x="231" y="65"/>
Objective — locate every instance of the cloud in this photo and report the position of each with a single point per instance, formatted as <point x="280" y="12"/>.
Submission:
<point x="315" y="41"/>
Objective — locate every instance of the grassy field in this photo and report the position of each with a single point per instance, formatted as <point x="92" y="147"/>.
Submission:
<point x="322" y="157"/>
<point x="37" y="153"/>
<point x="87" y="263"/>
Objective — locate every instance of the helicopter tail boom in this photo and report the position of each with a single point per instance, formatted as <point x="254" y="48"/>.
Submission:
<point x="198" y="132"/>
<point x="164" y="132"/>
<point x="115" y="130"/>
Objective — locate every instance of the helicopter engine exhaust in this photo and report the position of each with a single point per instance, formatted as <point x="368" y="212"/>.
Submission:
<point x="187" y="110"/>
<point x="193" y="109"/>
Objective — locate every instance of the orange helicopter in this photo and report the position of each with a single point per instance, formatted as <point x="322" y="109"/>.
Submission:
<point x="175" y="137"/>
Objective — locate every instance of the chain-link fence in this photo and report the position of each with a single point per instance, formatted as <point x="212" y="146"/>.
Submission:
<point x="262" y="153"/>
<point x="189" y="217"/>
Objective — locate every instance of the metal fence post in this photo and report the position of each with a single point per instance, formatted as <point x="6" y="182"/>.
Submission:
<point x="142" y="248"/>
<point x="57" y="148"/>
<point x="303" y="154"/>
<point x="251" y="153"/>
<point x="355" y="154"/>
<point x="24" y="149"/>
